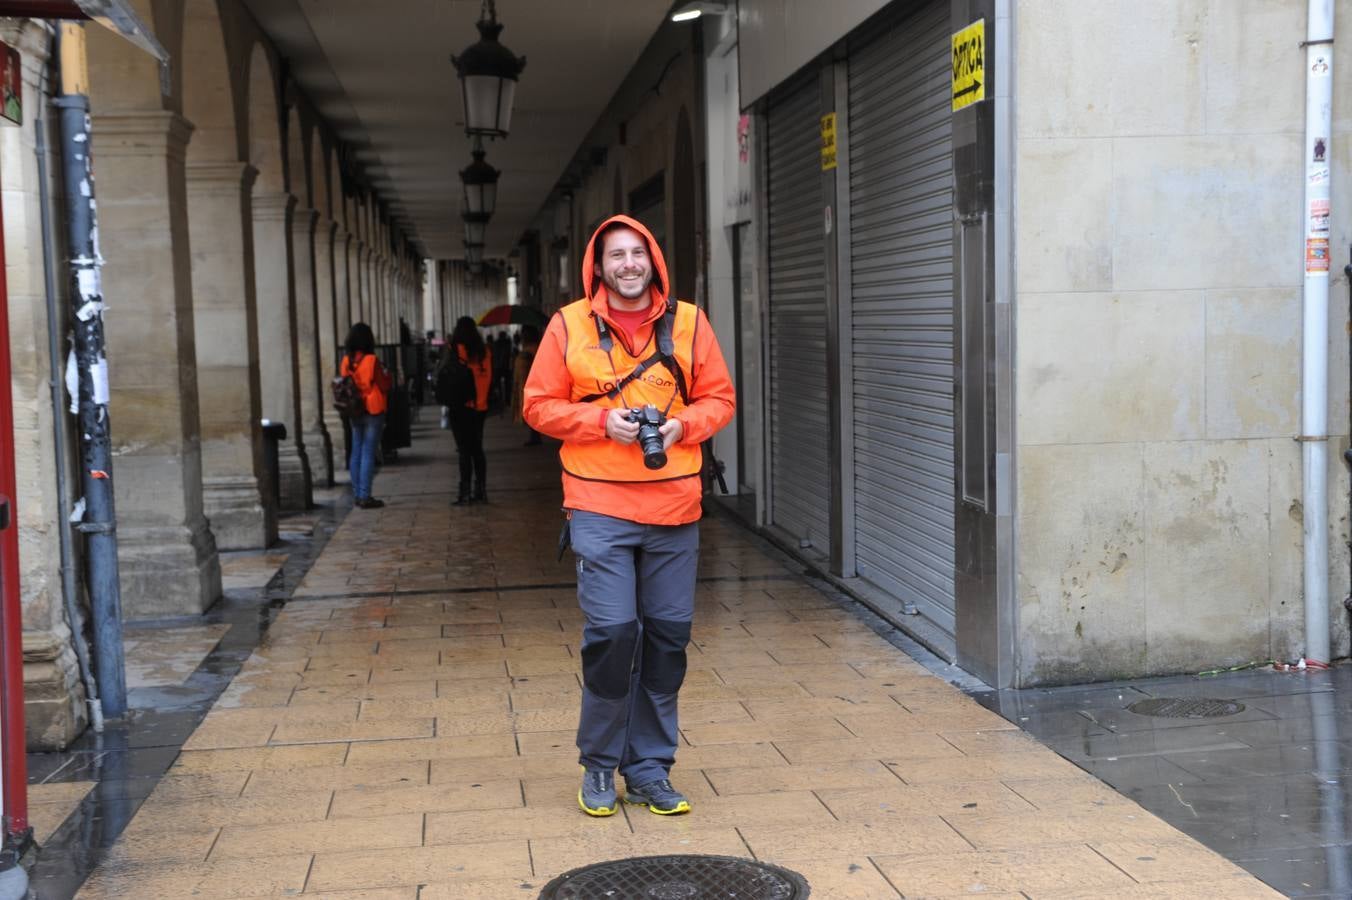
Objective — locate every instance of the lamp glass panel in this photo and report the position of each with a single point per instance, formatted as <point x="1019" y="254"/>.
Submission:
<point x="474" y="232"/>
<point x="474" y="198"/>
<point x="506" y="97"/>
<point x="481" y="103"/>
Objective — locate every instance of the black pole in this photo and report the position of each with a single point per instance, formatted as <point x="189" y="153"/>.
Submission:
<point x="96" y="460"/>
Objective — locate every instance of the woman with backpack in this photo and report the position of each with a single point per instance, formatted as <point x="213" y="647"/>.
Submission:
<point x="372" y="382"/>
<point x="463" y="383"/>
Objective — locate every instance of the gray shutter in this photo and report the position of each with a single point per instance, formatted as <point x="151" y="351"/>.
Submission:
<point x="901" y="235"/>
<point x="800" y="476"/>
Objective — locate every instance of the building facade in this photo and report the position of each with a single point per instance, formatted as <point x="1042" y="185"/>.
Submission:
<point x="1021" y="373"/>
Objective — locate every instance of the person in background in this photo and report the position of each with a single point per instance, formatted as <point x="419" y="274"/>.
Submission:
<point x="373" y="383"/>
<point x="467" y="348"/>
<point x="525" y="355"/>
<point x="502" y="368"/>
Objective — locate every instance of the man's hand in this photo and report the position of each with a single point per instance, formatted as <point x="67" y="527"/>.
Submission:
<point x="672" y="431"/>
<point x="619" y="429"/>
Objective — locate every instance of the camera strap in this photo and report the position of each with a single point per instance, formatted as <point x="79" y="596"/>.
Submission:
<point x="666" y="354"/>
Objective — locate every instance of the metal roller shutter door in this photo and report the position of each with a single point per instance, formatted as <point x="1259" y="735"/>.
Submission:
<point x="901" y="234"/>
<point x="800" y="501"/>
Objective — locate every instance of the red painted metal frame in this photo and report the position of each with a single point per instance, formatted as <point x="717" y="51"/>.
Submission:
<point x="42" y="9"/>
<point x="13" y="758"/>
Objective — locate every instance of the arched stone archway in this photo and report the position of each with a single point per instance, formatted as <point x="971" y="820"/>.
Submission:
<point x="166" y="552"/>
<point x="234" y="478"/>
<point x="684" y="216"/>
<point x="273" y="209"/>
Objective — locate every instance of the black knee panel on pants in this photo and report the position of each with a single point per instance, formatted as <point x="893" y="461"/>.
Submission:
<point x="608" y="658"/>
<point x="664" y="643"/>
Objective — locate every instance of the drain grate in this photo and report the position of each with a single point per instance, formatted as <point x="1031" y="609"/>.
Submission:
<point x="1186" y="707"/>
<point x="678" y="878"/>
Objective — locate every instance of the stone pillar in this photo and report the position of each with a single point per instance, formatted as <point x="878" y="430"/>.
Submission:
<point x="387" y="301"/>
<point x="166" y="552"/>
<point x="342" y="282"/>
<point x="361" y="307"/>
<point x="277" y="364"/>
<point x="329" y="337"/>
<point x="54" y="705"/>
<point x="312" y="391"/>
<point x="237" y="495"/>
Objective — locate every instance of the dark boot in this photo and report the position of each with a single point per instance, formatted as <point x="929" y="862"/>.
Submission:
<point x="463" y="497"/>
<point x="480" y="491"/>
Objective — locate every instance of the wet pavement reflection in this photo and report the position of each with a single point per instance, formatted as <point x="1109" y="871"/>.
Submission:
<point x="1267" y="787"/>
<point x="127" y="761"/>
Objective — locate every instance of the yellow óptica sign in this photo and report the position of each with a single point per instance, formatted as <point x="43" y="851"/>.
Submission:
<point x="828" y="142"/>
<point x="969" y="65"/>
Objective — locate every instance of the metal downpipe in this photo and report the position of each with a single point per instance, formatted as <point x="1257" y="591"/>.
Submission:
<point x="1315" y="308"/>
<point x="96" y="459"/>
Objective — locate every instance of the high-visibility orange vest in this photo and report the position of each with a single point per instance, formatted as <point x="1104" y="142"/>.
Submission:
<point x="596" y="371"/>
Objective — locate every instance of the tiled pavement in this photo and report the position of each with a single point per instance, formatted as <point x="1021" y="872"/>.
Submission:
<point x="406" y="731"/>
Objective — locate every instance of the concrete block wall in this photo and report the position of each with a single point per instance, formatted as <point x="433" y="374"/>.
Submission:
<point x="1158" y="179"/>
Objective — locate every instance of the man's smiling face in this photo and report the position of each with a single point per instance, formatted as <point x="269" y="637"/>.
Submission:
<point x="625" y="264"/>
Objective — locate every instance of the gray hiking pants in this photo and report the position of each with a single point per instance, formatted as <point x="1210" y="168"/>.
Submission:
<point x="636" y="586"/>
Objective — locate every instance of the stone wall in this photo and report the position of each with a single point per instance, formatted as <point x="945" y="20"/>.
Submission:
<point x="55" y="709"/>
<point x="1159" y="232"/>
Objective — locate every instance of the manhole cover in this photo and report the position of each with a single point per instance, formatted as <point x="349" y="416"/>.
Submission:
<point x="677" y="878"/>
<point x="1186" y="707"/>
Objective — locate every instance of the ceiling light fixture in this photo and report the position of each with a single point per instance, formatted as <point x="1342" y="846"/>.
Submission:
<point x="474" y="253"/>
<point x="488" y="72"/>
<point x="476" y="224"/>
<point x="481" y="183"/>
<point x="688" y="12"/>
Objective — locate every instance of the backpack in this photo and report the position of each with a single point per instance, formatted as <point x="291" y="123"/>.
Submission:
<point x="347" y="399"/>
<point x="455" y="384"/>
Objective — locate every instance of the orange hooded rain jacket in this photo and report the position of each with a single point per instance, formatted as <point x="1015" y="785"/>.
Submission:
<point x="601" y="475"/>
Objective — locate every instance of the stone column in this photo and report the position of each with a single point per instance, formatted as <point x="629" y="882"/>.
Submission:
<point x="387" y="301"/>
<point x="312" y="391"/>
<point x="236" y="493"/>
<point x="326" y="319"/>
<point x="166" y="551"/>
<point x="54" y="706"/>
<point x="361" y="305"/>
<point x="279" y="372"/>
<point x="342" y="283"/>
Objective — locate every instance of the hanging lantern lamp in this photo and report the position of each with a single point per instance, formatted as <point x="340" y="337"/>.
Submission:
<point x="476" y="224"/>
<point x="488" y="72"/>
<point x="481" y="183"/>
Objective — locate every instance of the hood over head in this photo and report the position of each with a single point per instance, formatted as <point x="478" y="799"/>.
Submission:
<point x="594" y="287"/>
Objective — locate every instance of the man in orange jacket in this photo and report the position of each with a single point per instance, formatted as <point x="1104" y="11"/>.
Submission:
<point x="622" y="353"/>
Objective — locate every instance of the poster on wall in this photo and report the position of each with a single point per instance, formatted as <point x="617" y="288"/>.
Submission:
<point x="12" y="98"/>
<point x="737" y="173"/>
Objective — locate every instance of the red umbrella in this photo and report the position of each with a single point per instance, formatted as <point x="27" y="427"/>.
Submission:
<point x="514" y="314"/>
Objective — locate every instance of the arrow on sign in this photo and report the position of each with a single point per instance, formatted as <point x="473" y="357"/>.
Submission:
<point x="970" y="89"/>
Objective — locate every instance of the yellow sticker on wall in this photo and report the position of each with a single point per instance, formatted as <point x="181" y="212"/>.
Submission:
<point x="828" y="142"/>
<point x="969" y="65"/>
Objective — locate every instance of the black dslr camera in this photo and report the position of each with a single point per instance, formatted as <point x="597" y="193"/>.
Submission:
<point x="649" y="438"/>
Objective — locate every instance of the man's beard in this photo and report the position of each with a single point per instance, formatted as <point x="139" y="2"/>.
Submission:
<point x="638" y="289"/>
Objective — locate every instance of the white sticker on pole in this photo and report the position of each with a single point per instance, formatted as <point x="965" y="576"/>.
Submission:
<point x="1319" y="218"/>
<point x="73" y="382"/>
<point x="98" y="378"/>
<point x="90" y="284"/>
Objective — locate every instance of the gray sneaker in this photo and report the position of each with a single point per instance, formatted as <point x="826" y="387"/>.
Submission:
<point x="597" y="794"/>
<point x="659" y="796"/>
